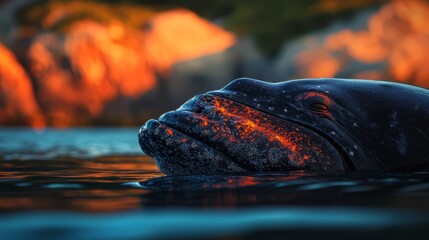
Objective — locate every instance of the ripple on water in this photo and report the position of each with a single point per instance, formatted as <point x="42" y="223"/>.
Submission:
<point x="321" y="185"/>
<point x="62" y="185"/>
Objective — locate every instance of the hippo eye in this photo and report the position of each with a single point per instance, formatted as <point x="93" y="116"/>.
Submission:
<point x="318" y="107"/>
<point x="317" y="103"/>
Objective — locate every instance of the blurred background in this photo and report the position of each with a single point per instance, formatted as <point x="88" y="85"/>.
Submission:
<point x="119" y="63"/>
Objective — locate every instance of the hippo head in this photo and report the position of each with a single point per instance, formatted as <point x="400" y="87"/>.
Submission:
<point x="250" y="125"/>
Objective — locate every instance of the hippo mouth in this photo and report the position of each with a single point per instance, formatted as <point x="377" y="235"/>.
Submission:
<point x="210" y="134"/>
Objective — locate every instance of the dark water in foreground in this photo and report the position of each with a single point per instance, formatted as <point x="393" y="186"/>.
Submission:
<point x="96" y="184"/>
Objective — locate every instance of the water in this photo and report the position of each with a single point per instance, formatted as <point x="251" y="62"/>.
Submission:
<point x="26" y="144"/>
<point x="96" y="184"/>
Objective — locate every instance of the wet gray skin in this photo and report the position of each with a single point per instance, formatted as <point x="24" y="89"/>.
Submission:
<point x="309" y="124"/>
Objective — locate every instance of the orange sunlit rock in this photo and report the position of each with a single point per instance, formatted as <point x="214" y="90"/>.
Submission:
<point x="319" y="63"/>
<point x="91" y="64"/>
<point x="354" y="43"/>
<point x="109" y="55"/>
<point x="102" y="66"/>
<point x="180" y="35"/>
<point x="393" y="46"/>
<point x="17" y="102"/>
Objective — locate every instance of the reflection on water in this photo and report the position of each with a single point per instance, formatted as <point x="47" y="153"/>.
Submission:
<point x="387" y="190"/>
<point x="82" y="169"/>
<point x="72" y="184"/>
<point x="117" y="192"/>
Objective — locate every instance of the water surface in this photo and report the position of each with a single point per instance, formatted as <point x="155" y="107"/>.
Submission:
<point x="96" y="184"/>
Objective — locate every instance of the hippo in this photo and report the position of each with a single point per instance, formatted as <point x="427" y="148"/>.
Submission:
<point x="318" y="125"/>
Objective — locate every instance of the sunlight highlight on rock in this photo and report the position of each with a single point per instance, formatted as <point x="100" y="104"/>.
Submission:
<point x="89" y="64"/>
<point x="396" y="37"/>
<point x="17" y="101"/>
<point x="180" y="35"/>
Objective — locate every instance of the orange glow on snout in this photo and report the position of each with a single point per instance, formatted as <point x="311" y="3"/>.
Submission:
<point x="169" y="132"/>
<point x="251" y="125"/>
<point x="256" y="125"/>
